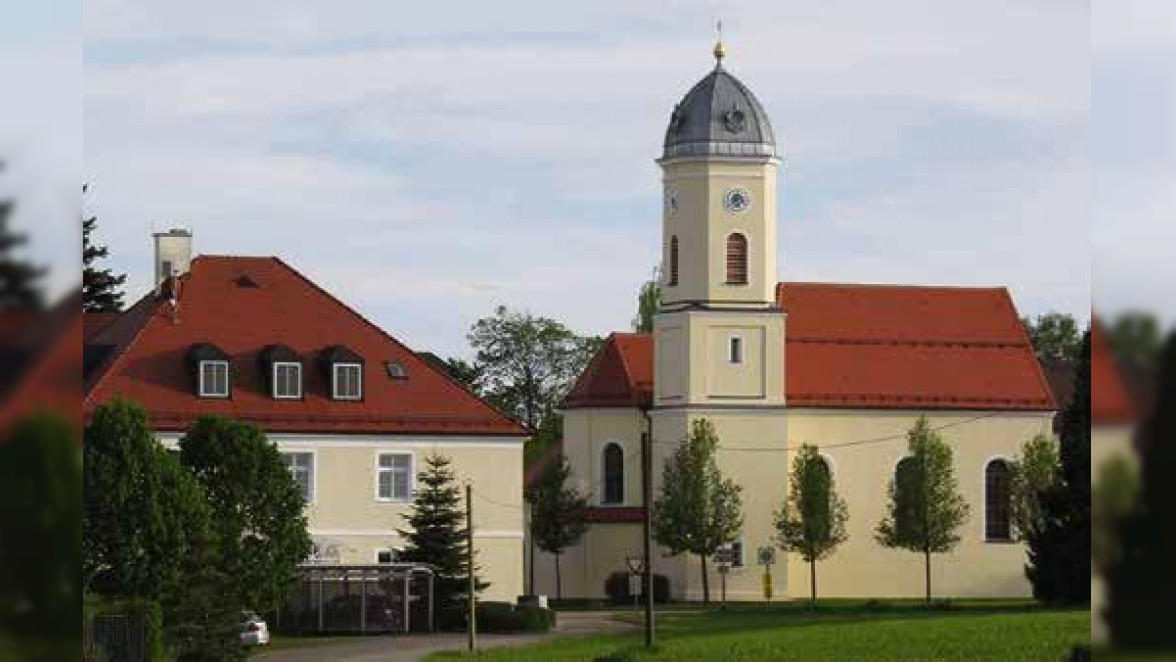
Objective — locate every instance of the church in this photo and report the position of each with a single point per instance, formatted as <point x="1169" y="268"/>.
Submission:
<point x="773" y="365"/>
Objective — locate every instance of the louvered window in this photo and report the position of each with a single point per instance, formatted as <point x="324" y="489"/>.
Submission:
<point x="736" y="259"/>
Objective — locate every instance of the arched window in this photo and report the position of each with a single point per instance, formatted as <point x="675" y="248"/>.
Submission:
<point x="998" y="510"/>
<point x="674" y="260"/>
<point x="736" y="259"/>
<point x="907" y="514"/>
<point x="614" y="474"/>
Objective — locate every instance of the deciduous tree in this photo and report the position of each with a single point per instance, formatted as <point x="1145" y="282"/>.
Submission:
<point x="699" y="510"/>
<point x="557" y="515"/>
<point x="1055" y="336"/>
<point x="256" y="507"/>
<point x="812" y="521"/>
<point x="924" y="510"/>
<point x="648" y="302"/>
<point x="1038" y="470"/>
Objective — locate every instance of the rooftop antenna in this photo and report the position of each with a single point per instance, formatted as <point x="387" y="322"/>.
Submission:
<point x="720" y="50"/>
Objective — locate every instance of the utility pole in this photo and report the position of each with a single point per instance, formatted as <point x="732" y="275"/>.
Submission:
<point x="647" y="525"/>
<point x="472" y="618"/>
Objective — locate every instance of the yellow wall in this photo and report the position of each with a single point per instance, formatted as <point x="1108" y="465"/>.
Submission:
<point x="347" y="516"/>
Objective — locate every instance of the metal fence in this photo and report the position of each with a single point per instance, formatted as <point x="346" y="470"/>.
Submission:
<point x="114" y="638"/>
<point x="369" y="599"/>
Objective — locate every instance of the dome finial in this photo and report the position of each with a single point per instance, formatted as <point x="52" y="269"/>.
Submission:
<point x="720" y="50"/>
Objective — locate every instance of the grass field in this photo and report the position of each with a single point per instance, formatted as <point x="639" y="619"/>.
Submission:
<point x="835" y="632"/>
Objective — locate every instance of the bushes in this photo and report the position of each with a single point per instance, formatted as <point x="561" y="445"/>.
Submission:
<point x="113" y="625"/>
<point x="503" y="617"/>
<point x="616" y="587"/>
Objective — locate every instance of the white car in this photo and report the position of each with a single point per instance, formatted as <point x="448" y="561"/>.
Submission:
<point x="254" y="631"/>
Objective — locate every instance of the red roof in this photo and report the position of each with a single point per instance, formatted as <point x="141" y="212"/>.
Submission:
<point x="1109" y="402"/>
<point x="620" y="375"/>
<point x="42" y="360"/>
<point x="869" y="346"/>
<point x="93" y="323"/>
<point x="242" y="305"/>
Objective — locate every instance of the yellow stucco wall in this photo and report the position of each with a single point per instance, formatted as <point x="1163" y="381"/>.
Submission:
<point x="347" y="517"/>
<point x="861" y="567"/>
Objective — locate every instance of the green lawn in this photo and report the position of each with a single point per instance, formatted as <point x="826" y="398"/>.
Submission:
<point x="840" y="631"/>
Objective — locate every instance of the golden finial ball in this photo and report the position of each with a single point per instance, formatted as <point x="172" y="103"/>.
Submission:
<point x="720" y="51"/>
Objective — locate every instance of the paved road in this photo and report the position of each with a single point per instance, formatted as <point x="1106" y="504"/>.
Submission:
<point x="414" y="648"/>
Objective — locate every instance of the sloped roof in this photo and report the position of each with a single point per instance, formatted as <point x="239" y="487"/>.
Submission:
<point x="93" y="323"/>
<point x="147" y="348"/>
<point x="41" y="356"/>
<point x="1109" y="401"/>
<point x="868" y="346"/>
<point x="620" y="375"/>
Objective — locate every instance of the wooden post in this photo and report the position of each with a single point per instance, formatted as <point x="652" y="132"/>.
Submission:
<point x="472" y="618"/>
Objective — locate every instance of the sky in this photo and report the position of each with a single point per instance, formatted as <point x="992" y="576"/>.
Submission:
<point x="427" y="162"/>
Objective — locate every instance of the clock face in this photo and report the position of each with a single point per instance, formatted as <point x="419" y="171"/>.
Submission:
<point x="672" y="202"/>
<point x="737" y="200"/>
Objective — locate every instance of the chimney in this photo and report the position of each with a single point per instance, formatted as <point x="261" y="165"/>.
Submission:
<point x="173" y="255"/>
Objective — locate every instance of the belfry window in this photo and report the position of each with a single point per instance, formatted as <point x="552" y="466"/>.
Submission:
<point x="613" y="462"/>
<point x="736" y="259"/>
<point x="673" y="260"/>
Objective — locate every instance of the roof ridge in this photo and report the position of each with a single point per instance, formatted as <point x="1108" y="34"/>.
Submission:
<point x="781" y="285"/>
<point x="347" y="308"/>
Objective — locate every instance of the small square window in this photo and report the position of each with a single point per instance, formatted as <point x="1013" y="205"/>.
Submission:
<point x="386" y="556"/>
<point x="348" y="381"/>
<point x="287" y="381"/>
<point x="214" y="379"/>
<point x="735" y="350"/>
<point x="394" y="477"/>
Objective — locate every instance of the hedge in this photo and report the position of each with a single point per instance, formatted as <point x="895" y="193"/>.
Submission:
<point x="616" y="587"/>
<point x="503" y="617"/>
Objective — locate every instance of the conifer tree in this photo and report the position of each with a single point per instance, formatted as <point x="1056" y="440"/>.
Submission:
<point x="1059" y="553"/>
<point x="100" y="287"/>
<point x="1141" y="582"/>
<point x="437" y="536"/>
<point x="812" y="521"/>
<point x="699" y="510"/>
<point x="558" y="519"/>
<point x="925" y="509"/>
<point x="208" y="612"/>
<point x="19" y="279"/>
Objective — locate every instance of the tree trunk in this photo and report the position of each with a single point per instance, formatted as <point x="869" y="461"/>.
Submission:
<point x="558" y="579"/>
<point x="705" y="581"/>
<point x="927" y="570"/>
<point x="813" y="580"/>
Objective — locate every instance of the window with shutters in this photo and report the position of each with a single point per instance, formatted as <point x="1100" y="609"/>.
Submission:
<point x="736" y="259"/>
<point x="673" y="260"/>
<point x="998" y="516"/>
<point x="394" y="477"/>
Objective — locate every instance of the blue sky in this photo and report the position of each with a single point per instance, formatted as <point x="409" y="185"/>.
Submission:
<point x="429" y="161"/>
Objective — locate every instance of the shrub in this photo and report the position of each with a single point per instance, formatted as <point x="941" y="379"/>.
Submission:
<point x="616" y="587"/>
<point x="503" y="617"/>
<point x="129" y="613"/>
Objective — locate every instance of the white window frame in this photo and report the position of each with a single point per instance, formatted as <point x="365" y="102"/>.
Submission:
<point x="336" y="371"/>
<point x="313" y="469"/>
<point x="274" y="380"/>
<point x="735" y="357"/>
<point x="205" y="392"/>
<point x="380" y="469"/>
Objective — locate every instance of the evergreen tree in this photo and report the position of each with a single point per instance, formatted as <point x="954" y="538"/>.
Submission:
<point x="813" y="518"/>
<point x="699" y="510"/>
<point x="19" y="288"/>
<point x="925" y="509"/>
<point x="100" y="287"/>
<point x="1142" y="582"/>
<point x="437" y="536"/>
<point x="208" y="614"/>
<point x="558" y="515"/>
<point x="1059" y="553"/>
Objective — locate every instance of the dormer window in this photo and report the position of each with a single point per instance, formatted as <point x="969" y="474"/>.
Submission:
<point x="348" y="381"/>
<point x="282" y="368"/>
<point x="211" y="371"/>
<point x="344" y="370"/>
<point x="214" y="379"/>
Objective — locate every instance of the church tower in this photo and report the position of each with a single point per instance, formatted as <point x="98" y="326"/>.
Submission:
<point x="719" y="335"/>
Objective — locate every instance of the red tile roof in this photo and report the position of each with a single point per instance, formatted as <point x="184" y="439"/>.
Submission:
<point x="620" y="375"/>
<point x="93" y="323"/>
<point x="42" y="360"/>
<point x="216" y="305"/>
<point x="1109" y="402"/>
<point x="868" y="346"/>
